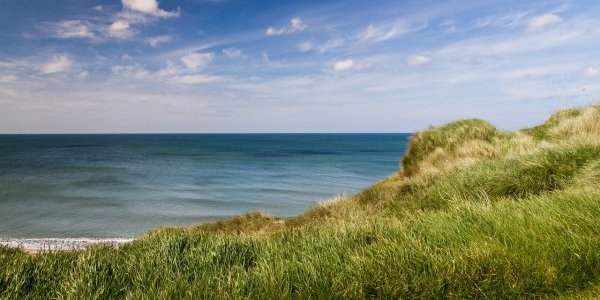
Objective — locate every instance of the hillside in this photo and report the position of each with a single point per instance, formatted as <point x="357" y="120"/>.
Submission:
<point x="473" y="212"/>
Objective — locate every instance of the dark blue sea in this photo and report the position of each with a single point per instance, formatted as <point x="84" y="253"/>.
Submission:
<point x="124" y="185"/>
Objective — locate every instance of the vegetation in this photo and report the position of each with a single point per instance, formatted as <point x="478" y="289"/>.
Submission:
<point x="474" y="212"/>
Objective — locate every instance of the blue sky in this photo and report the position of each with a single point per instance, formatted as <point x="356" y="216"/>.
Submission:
<point x="291" y="66"/>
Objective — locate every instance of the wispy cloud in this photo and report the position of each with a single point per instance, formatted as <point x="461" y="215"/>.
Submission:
<point x="296" y="25"/>
<point x="71" y="29"/>
<point x="384" y="32"/>
<point x="131" y="71"/>
<point x="196" y="79"/>
<point x="120" y="29"/>
<point x="56" y="64"/>
<point x="155" y="41"/>
<point x="121" y="25"/>
<point x="543" y="22"/>
<point x="305" y="46"/>
<point x="417" y="60"/>
<point x="489" y="47"/>
<point x="349" y="64"/>
<point x="591" y="72"/>
<point x="509" y="20"/>
<point x="188" y="70"/>
<point x="344" y="65"/>
<point x="308" y="46"/>
<point x="232" y="53"/>
<point x="8" y="78"/>
<point x="197" y="61"/>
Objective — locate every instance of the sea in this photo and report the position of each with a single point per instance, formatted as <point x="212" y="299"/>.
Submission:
<point x="123" y="185"/>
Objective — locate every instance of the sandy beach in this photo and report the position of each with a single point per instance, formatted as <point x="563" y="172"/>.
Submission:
<point x="60" y="244"/>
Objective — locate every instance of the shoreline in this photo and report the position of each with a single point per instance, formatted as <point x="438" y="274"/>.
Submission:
<point x="60" y="244"/>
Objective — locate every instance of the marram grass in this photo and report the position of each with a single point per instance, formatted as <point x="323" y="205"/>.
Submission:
<point x="473" y="213"/>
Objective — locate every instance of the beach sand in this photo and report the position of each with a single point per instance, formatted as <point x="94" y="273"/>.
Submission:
<point x="60" y="244"/>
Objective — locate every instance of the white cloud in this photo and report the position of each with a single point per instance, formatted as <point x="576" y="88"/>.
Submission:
<point x="138" y="12"/>
<point x="71" y="29"/>
<point x="520" y="44"/>
<point x="155" y="41"/>
<point x="265" y="58"/>
<point x="197" y="61"/>
<point x="532" y="90"/>
<point x="171" y="69"/>
<point x="196" y="79"/>
<point x="591" y="72"/>
<point x="296" y="25"/>
<point x="120" y="29"/>
<point x="8" y="78"/>
<point x="7" y="93"/>
<point x="544" y="71"/>
<point x="416" y="60"/>
<point x="149" y="7"/>
<point x="543" y="22"/>
<point x="131" y="71"/>
<point x="56" y="64"/>
<point x="377" y="33"/>
<point x="308" y="46"/>
<point x="134" y="12"/>
<point x="448" y="25"/>
<point x="233" y="53"/>
<point x="275" y="31"/>
<point x="511" y="20"/>
<point x="305" y="46"/>
<point x="331" y="44"/>
<point x="344" y="65"/>
<point x="175" y="73"/>
<point x="384" y="32"/>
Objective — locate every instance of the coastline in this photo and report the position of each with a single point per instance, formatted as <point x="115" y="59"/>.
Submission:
<point x="60" y="244"/>
<point x="473" y="212"/>
<point x="82" y="187"/>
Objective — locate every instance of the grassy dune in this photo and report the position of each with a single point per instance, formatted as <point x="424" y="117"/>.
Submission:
<point x="473" y="212"/>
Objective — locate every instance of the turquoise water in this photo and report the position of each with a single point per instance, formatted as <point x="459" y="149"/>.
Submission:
<point x="125" y="185"/>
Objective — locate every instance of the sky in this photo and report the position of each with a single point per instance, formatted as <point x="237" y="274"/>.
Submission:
<point x="141" y="66"/>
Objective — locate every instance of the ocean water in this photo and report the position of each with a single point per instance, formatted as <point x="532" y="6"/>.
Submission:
<point x="104" y="186"/>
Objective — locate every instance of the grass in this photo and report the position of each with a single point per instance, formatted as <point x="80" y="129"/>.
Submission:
<point x="474" y="212"/>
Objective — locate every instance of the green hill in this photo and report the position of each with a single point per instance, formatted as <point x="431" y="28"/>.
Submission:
<point x="473" y="212"/>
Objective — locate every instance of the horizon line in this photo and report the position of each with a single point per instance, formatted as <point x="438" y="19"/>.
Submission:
<point x="196" y="133"/>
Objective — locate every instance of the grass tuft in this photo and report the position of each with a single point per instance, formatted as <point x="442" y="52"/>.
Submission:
<point x="445" y="139"/>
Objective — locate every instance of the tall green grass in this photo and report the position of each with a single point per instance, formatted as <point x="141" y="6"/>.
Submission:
<point x="516" y="218"/>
